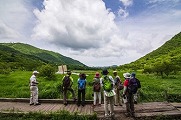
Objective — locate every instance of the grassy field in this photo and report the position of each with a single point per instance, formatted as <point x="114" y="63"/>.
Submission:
<point x="154" y="88"/>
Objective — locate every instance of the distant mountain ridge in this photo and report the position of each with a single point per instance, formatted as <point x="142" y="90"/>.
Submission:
<point x="18" y="51"/>
<point x="170" y="51"/>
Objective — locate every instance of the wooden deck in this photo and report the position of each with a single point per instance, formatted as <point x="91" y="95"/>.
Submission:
<point x="142" y="110"/>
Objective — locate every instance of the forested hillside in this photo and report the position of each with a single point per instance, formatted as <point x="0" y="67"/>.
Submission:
<point x="168" y="56"/>
<point x="26" y="57"/>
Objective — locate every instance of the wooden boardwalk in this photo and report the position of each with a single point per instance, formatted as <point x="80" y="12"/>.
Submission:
<point x="142" y="110"/>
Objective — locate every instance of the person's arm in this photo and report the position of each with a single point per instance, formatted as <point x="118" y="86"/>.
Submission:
<point x="125" y="87"/>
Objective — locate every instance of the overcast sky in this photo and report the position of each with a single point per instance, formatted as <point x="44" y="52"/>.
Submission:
<point x="95" y="32"/>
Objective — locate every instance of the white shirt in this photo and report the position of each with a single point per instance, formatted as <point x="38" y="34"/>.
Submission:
<point x="33" y="81"/>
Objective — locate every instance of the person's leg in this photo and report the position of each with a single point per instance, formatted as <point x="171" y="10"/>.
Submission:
<point x="132" y="104"/>
<point x="111" y="101"/>
<point x="99" y="96"/>
<point x="106" y="106"/>
<point x="73" y="93"/>
<point x="116" y="97"/>
<point x="31" y="96"/>
<point x="95" y="98"/>
<point x="65" y="96"/>
<point x="83" y="97"/>
<point x="128" y="105"/>
<point x="36" y="95"/>
<point x="79" y="97"/>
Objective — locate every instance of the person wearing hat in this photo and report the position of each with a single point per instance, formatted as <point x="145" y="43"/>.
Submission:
<point x="34" y="89"/>
<point x="128" y="96"/>
<point x="117" y="81"/>
<point x="67" y="86"/>
<point x="133" y="76"/>
<point x="97" y="89"/>
<point x="107" y="83"/>
<point x="81" y="89"/>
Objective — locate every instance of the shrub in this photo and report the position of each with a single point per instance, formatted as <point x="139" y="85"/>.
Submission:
<point x="47" y="71"/>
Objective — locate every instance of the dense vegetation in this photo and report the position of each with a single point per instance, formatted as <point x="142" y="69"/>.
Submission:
<point x="154" y="88"/>
<point x="61" y="115"/>
<point x="21" y="56"/>
<point x="163" y="61"/>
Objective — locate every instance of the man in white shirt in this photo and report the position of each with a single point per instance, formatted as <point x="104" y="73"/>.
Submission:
<point x="34" y="89"/>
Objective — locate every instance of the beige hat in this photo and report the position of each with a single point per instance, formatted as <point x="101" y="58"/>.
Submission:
<point x="127" y="75"/>
<point x="35" y="72"/>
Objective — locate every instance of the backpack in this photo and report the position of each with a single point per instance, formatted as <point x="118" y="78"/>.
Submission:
<point x="107" y="84"/>
<point x="138" y="82"/>
<point x="66" y="82"/>
<point x="132" y="86"/>
<point x="81" y="84"/>
<point x="97" y="87"/>
<point x="119" y="84"/>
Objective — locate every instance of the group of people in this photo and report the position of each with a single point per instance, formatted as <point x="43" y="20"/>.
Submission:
<point x="111" y="88"/>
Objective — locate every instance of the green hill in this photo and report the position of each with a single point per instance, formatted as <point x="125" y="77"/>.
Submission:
<point x="19" y="55"/>
<point x="168" y="52"/>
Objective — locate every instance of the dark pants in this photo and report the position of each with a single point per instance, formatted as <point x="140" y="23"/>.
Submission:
<point x="130" y="104"/>
<point x="81" y="96"/>
<point x="65" y="94"/>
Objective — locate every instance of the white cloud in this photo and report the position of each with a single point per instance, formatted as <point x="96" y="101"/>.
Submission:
<point x="127" y="3"/>
<point x="75" y="24"/>
<point x="86" y="31"/>
<point x="79" y="25"/>
<point x="15" y="19"/>
<point x="122" y="13"/>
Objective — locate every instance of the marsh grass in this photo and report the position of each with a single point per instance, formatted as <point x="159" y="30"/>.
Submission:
<point x="154" y="88"/>
<point x="60" y="115"/>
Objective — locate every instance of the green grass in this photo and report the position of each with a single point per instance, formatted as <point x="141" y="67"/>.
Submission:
<point x="61" y="115"/>
<point x="154" y="88"/>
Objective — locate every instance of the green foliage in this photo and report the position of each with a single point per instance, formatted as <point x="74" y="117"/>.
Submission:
<point x="47" y="71"/>
<point x="19" y="56"/>
<point x="60" y="115"/>
<point x="164" y="60"/>
<point x="154" y="88"/>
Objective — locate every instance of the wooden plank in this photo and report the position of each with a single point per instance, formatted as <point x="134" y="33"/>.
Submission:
<point x="57" y="107"/>
<point x="178" y="105"/>
<point x="151" y="114"/>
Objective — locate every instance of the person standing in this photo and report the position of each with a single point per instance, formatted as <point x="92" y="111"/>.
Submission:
<point x="133" y="76"/>
<point x="107" y="84"/>
<point x="67" y="86"/>
<point x="81" y="89"/>
<point x="128" y="95"/>
<point x="97" y="89"/>
<point x="117" y="81"/>
<point x="34" y="89"/>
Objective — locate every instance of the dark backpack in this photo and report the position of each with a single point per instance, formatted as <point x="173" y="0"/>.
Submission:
<point x="81" y="84"/>
<point x="119" y="84"/>
<point x="107" y="84"/>
<point x="66" y="82"/>
<point x="97" y="87"/>
<point x="132" y="86"/>
<point x="138" y="82"/>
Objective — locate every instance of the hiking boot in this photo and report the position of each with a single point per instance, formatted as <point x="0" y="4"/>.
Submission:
<point x="31" y="104"/>
<point x="115" y="105"/>
<point x="37" y="104"/>
<point x="78" y="105"/>
<point x="135" y="102"/>
<point x="93" y="105"/>
<point x="65" y="104"/>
